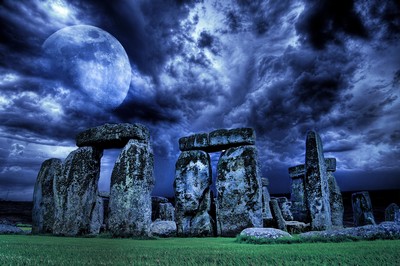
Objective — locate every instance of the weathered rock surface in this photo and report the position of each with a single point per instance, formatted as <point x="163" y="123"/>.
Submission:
<point x="295" y="227"/>
<point x="266" y="198"/>
<point x="285" y="207"/>
<point x="298" y="196"/>
<point x="75" y="193"/>
<point x="162" y="209"/>
<point x="192" y="194"/>
<point x="279" y="222"/>
<point x="386" y="230"/>
<point x="163" y="229"/>
<point x="222" y="139"/>
<point x="43" y="197"/>
<point x="316" y="184"/>
<point x="112" y="135"/>
<point x="335" y="196"/>
<point x="166" y="212"/>
<point x="239" y="199"/>
<point x="10" y="229"/>
<point x="97" y="218"/>
<point x="267" y="233"/>
<point x="218" y="140"/>
<point x="132" y="181"/>
<point x="362" y="209"/>
<point x="194" y="142"/>
<point x="391" y="211"/>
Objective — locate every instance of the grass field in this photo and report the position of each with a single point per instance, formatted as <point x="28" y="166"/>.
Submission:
<point x="49" y="250"/>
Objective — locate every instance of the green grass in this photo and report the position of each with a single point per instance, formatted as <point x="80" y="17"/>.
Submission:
<point x="25" y="227"/>
<point x="49" y="250"/>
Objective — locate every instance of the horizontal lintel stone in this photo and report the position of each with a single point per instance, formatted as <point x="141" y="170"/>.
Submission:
<point x="218" y="140"/>
<point x="110" y="136"/>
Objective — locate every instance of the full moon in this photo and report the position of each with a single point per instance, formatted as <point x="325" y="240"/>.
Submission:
<point x="91" y="60"/>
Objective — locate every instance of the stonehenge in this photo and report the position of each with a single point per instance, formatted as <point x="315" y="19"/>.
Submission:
<point x="67" y="202"/>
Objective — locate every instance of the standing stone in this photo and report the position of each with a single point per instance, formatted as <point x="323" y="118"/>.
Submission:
<point x="335" y="196"/>
<point x="362" y="209"/>
<point x="132" y="181"/>
<point x="97" y="218"/>
<point x="76" y="193"/>
<point x="298" y="195"/>
<point x="277" y="214"/>
<point x="162" y="209"/>
<point x="266" y="198"/>
<point x="43" y="197"/>
<point x="166" y="212"/>
<point x="192" y="194"/>
<point x="390" y="212"/>
<point x="239" y="199"/>
<point x="105" y="199"/>
<point x="316" y="184"/>
<point x="285" y="206"/>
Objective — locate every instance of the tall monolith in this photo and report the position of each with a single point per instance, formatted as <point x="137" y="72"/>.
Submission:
<point x="76" y="191"/>
<point x="132" y="182"/>
<point x="43" y="197"/>
<point x="192" y="194"/>
<point x="239" y="198"/>
<point x="316" y="184"/>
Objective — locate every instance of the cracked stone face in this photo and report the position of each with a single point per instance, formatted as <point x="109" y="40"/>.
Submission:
<point x="239" y="198"/>
<point x="75" y="193"/>
<point x="132" y="182"/>
<point x="192" y="194"/>
<point x="316" y="184"/>
<point x="43" y="197"/>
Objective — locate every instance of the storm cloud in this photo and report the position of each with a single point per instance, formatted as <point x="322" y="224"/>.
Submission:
<point x="281" y="67"/>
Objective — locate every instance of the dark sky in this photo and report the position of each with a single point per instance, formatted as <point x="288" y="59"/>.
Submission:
<point x="281" y="67"/>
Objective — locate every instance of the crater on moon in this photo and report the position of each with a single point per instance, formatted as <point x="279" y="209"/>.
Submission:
<point x="92" y="61"/>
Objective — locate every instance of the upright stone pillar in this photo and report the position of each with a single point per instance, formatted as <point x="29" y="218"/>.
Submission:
<point x="335" y="196"/>
<point x="43" y="197"/>
<point x="285" y="207"/>
<point x="266" y="198"/>
<point x="298" y="195"/>
<point x="392" y="213"/>
<point x="192" y="194"/>
<point x="76" y="193"/>
<point x="132" y="182"/>
<point x="362" y="209"/>
<point x="277" y="214"/>
<point x="239" y="200"/>
<point x="316" y="184"/>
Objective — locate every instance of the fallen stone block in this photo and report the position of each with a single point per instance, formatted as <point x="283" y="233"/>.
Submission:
<point x="163" y="229"/>
<point x="264" y="233"/>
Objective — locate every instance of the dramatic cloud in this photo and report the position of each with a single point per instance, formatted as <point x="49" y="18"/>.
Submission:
<point x="281" y="67"/>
